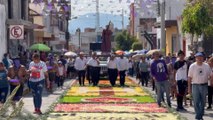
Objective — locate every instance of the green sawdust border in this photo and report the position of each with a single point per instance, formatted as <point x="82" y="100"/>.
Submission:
<point x="78" y="99"/>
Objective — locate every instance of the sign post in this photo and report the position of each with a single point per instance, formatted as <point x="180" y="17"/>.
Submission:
<point x="16" y="32"/>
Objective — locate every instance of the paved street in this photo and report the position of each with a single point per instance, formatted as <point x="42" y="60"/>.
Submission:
<point x="189" y="114"/>
<point x="49" y="99"/>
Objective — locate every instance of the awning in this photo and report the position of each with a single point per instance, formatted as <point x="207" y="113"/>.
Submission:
<point x="27" y="24"/>
<point x="168" y="23"/>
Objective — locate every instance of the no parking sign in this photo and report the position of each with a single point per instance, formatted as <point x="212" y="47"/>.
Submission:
<point x="16" y="32"/>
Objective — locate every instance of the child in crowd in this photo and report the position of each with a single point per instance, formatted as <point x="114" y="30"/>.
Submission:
<point x="60" y="75"/>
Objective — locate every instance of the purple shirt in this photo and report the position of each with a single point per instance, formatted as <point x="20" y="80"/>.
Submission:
<point x="159" y="70"/>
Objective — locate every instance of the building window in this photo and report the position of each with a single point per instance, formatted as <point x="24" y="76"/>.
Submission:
<point x="23" y="9"/>
<point x="10" y="9"/>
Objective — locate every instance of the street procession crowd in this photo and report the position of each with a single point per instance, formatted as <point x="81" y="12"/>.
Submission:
<point x="178" y="76"/>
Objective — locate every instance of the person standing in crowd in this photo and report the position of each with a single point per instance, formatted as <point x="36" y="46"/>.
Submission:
<point x="112" y="70"/>
<point x="143" y="67"/>
<point x="152" y="80"/>
<point x="160" y="75"/>
<point x="172" y="82"/>
<point x="61" y="72"/>
<point x="52" y="69"/>
<point x="198" y="76"/>
<point x="38" y="73"/>
<point x="80" y="66"/>
<point x="63" y="60"/>
<point x="95" y="69"/>
<point x="43" y="56"/>
<point x="4" y="85"/>
<point x="88" y="69"/>
<point x="130" y="67"/>
<point x="17" y="75"/>
<point x="136" y="70"/>
<point x="168" y="58"/>
<point x="6" y="60"/>
<point x="210" y="85"/>
<point x="70" y="68"/>
<point x="180" y="75"/>
<point x="122" y="65"/>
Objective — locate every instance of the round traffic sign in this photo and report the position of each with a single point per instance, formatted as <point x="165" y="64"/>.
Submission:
<point x="16" y="31"/>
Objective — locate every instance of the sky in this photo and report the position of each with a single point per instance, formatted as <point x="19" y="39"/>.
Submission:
<point x="81" y="7"/>
<point x="110" y="10"/>
<point x="85" y="12"/>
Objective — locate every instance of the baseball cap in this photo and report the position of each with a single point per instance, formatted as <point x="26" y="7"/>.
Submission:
<point x="199" y="54"/>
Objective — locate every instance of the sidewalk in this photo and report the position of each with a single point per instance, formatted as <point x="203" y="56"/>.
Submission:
<point x="189" y="114"/>
<point x="47" y="98"/>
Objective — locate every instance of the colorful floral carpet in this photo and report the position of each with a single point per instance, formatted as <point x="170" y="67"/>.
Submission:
<point x="117" y="103"/>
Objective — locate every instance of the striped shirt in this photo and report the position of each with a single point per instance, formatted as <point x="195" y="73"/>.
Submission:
<point x="40" y="67"/>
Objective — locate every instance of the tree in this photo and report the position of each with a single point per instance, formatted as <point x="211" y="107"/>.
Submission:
<point x="196" y="19"/>
<point x="124" y="41"/>
<point x="137" y="46"/>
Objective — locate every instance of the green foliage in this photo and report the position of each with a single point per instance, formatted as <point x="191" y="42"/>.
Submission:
<point x="13" y="110"/>
<point x="124" y="41"/>
<point x="137" y="46"/>
<point x="196" y="19"/>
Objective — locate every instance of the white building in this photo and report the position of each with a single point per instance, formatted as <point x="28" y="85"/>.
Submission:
<point x="174" y="40"/>
<point x="3" y="41"/>
<point x="83" y="40"/>
<point x="144" y="18"/>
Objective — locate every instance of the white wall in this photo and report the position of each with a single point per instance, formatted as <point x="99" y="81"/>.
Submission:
<point x="3" y="42"/>
<point x="174" y="8"/>
<point x="85" y="39"/>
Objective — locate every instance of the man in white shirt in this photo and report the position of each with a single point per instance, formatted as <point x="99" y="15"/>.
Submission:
<point x="180" y="76"/>
<point x="95" y="69"/>
<point x="198" y="76"/>
<point x="112" y="69"/>
<point x="122" y="65"/>
<point x="88" y="69"/>
<point x="80" y="66"/>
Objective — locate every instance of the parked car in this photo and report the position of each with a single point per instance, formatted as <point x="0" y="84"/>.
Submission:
<point x="103" y="66"/>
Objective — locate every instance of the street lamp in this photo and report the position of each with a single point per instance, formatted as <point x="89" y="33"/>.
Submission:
<point x="79" y="38"/>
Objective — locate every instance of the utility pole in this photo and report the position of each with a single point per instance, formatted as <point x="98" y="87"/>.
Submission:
<point x="98" y="38"/>
<point x="122" y="19"/>
<point x="79" y="38"/>
<point x="97" y="16"/>
<point x="67" y="34"/>
<point x="163" y="35"/>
